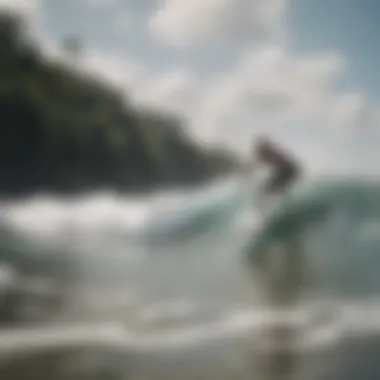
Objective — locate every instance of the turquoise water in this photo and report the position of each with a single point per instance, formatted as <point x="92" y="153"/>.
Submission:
<point x="122" y="242"/>
<point x="174" y="267"/>
<point x="336" y="223"/>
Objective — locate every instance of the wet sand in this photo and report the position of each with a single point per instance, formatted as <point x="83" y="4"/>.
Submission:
<point x="353" y="358"/>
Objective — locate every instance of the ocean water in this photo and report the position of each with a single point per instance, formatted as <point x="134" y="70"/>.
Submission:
<point x="170" y="280"/>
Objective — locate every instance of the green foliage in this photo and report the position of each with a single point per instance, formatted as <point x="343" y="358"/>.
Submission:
<point x="63" y="131"/>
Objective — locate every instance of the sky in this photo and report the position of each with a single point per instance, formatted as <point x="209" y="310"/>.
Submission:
<point x="303" y="72"/>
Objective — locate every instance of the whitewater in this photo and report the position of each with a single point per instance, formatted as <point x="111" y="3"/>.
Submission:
<point x="178" y="270"/>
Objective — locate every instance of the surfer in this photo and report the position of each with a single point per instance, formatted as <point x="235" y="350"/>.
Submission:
<point x="285" y="169"/>
<point x="284" y="270"/>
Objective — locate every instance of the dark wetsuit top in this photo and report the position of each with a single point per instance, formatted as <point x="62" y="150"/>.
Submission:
<point x="285" y="169"/>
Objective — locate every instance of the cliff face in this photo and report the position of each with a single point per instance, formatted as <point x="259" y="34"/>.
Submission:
<point x="66" y="132"/>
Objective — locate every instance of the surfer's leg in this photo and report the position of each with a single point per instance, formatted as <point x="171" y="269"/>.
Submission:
<point x="278" y="182"/>
<point x="294" y="270"/>
<point x="284" y="273"/>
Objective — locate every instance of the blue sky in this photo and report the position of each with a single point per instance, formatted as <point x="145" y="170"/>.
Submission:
<point x="349" y="26"/>
<point x="304" y="71"/>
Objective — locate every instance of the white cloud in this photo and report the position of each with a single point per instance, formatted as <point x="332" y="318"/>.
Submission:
<point x="174" y="91"/>
<point x="122" y="73"/>
<point x="274" y="83"/>
<point x="350" y="109"/>
<point x="275" y="79"/>
<point x="20" y="5"/>
<point x="31" y="9"/>
<point x="184" y="22"/>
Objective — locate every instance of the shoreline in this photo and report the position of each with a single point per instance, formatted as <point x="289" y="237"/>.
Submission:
<point x="350" y="358"/>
